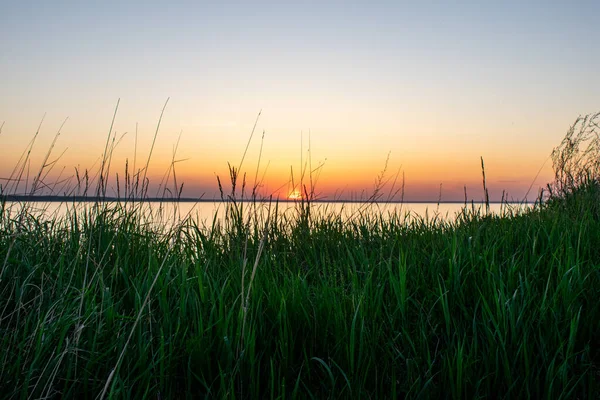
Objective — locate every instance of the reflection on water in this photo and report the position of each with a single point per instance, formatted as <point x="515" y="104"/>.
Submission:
<point x="205" y="213"/>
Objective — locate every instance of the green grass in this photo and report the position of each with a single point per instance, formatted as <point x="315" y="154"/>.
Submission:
<point x="100" y="303"/>
<point x="302" y="307"/>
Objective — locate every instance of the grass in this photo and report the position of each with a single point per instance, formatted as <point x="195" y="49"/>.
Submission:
<point x="98" y="303"/>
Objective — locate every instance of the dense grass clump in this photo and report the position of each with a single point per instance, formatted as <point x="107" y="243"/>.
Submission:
<point x="100" y="302"/>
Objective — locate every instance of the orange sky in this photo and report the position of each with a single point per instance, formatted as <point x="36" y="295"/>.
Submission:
<point x="433" y="86"/>
<point x="343" y="169"/>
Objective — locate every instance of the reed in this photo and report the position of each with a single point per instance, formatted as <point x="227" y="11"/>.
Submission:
<point x="98" y="303"/>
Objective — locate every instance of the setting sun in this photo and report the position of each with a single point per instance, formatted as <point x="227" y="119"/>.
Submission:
<point x="295" y="195"/>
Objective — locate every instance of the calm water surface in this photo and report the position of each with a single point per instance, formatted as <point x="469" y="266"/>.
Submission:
<point x="205" y="212"/>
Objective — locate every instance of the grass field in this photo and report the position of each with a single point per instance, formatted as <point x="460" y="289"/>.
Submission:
<point x="99" y="304"/>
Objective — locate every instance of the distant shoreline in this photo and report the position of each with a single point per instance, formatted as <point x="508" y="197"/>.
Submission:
<point x="88" y="199"/>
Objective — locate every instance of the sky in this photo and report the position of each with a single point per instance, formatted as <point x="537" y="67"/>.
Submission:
<point x="417" y="91"/>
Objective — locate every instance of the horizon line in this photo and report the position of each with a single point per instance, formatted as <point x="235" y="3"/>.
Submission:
<point x="90" y="199"/>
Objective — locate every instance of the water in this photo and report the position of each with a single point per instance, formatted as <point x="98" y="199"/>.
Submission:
<point x="205" y="212"/>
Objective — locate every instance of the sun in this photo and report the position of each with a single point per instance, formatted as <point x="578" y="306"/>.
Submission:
<point x="295" y="195"/>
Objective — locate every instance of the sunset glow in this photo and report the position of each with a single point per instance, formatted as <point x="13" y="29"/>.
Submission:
<point x="434" y="88"/>
<point x="295" y="195"/>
